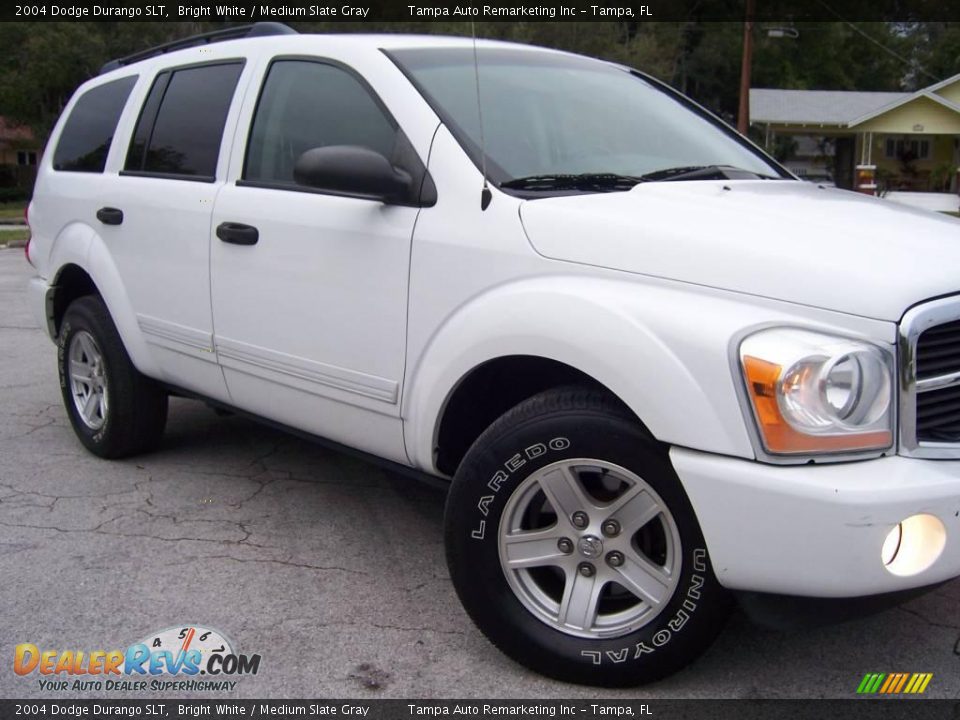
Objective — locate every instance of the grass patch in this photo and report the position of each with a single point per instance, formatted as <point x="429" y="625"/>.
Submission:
<point x="10" y="237"/>
<point x="955" y="214"/>
<point x="12" y="211"/>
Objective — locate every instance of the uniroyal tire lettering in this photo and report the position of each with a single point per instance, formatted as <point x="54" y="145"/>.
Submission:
<point x="700" y="560"/>
<point x="642" y="649"/>
<point x="662" y="637"/>
<point x="679" y="620"/>
<point x="501" y="476"/>
<point x="594" y="655"/>
<point x="618" y="656"/>
<point x="696" y="582"/>
<point x="674" y="625"/>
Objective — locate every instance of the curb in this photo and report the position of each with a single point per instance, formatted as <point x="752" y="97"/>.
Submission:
<point x="13" y="244"/>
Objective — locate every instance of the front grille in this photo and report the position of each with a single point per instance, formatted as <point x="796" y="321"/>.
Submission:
<point x="938" y="351"/>
<point x="938" y="411"/>
<point x="930" y="373"/>
<point x="938" y="415"/>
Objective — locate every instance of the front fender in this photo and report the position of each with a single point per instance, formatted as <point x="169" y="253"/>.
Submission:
<point x="664" y="349"/>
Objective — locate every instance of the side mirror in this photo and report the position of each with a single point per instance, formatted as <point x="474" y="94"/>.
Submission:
<point x="353" y="170"/>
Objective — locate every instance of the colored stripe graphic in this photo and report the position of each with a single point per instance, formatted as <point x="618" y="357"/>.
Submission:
<point x="894" y="683"/>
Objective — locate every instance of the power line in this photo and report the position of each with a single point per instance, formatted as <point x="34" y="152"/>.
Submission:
<point x="876" y="42"/>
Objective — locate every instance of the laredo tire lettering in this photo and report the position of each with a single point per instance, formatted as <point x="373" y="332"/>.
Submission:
<point x="573" y="426"/>
<point x="513" y="464"/>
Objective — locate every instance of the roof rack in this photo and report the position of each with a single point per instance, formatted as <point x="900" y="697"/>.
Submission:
<point x="260" y="29"/>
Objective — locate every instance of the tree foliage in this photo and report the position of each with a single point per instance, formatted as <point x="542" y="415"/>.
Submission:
<point x="42" y="63"/>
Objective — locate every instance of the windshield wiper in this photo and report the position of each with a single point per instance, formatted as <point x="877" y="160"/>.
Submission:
<point x="702" y="172"/>
<point x="603" y="182"/>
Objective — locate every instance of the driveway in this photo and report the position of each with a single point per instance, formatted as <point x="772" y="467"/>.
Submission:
<point x="330" y="568"/>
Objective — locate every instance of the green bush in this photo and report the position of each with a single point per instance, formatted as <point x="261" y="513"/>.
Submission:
<point x="13" y="194"/>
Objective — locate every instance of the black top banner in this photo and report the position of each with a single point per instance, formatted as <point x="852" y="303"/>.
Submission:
<point x="246" y="11"/>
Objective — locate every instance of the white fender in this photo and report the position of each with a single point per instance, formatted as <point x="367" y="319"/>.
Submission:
<point x="646" y="342"/>
<point x="79" y="244"/>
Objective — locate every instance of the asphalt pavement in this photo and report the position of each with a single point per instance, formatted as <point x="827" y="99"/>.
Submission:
<point x="330" y="568"/>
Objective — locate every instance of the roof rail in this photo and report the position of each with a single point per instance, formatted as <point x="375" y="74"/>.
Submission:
<point x="260" y="29"/>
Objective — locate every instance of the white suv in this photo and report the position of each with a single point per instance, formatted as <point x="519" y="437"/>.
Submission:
<point x="656" y="366"/>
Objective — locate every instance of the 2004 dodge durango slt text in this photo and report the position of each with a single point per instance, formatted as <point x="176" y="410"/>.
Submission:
<point x="656" y="367"/>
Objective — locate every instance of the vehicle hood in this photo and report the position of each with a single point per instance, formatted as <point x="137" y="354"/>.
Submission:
<point x="781" y="239"/>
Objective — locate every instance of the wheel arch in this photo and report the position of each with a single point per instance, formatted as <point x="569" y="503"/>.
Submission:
<point x="82" y="266"/>
<point x="488" y="391"/>
<point x="647" y="347"/>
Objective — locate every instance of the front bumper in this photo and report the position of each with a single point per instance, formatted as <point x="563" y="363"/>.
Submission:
<point x="818" y="530"/>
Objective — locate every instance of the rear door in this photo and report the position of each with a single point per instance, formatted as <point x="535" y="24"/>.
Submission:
<point x="173" y="169"/>
<point x="311" y="319"/>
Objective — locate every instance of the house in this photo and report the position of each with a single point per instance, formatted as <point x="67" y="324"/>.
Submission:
<point x="19" y="153"/>
<point x="905" y="146"/>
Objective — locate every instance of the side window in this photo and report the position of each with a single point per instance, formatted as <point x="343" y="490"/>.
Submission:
<point x="88" y="132"/>
<point x="305" y="105"/>
<point x="181" y="123"/>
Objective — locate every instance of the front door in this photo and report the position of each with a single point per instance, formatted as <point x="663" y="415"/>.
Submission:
<point x="310" y="317"/>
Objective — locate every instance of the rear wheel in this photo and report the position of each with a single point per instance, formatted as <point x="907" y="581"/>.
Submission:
<point x="114" y="410"/>
<point x="574" y="548"/>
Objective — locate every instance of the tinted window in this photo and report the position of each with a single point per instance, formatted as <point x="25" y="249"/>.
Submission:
<point x="554" y="114"/>
<point x="181" y="124"/>
<point x="306" y="105"/>
<point x="86" y="137"/>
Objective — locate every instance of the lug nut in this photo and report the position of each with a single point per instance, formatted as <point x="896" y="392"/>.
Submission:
<point x="611" y="528"/>
<point x="615" y="558"/>
<point x="580" y="519"/>
<point x="586" y="569"/>
<point x="565" y="545"/>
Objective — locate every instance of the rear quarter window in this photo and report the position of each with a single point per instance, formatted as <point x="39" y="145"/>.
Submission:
<point x="88" y="133"/>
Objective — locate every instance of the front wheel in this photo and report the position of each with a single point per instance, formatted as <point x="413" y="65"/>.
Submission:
<point x="573" y="547"/>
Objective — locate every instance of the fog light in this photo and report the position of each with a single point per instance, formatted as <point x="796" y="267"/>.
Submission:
<point x="891" y="546"/>
<point x="914" y="545"/>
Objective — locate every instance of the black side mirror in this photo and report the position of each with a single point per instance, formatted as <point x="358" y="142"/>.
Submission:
<point x="353" y="170"/>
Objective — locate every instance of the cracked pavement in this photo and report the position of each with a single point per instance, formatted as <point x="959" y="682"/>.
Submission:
<point x="332" y="569"/>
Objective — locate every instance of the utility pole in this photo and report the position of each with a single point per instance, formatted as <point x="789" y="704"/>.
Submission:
<point x="743" y="116"/>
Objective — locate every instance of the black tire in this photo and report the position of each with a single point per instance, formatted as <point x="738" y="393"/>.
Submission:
<point x="137" y="409"/>
<point x="570" y="423"/>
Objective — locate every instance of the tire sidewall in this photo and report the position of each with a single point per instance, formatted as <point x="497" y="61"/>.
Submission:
<point x="494" y="469"/>
<point x="79" y="318"/>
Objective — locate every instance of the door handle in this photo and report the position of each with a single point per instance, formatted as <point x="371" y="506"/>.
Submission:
<point x="238" y="233"/>
<point x="110" y="216"/>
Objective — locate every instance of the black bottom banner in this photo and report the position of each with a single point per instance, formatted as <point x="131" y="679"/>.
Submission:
<point x="915" y="709"/>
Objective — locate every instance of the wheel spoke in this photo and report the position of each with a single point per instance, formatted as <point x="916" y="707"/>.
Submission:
<point x="525" y="549"/>
<point x="87" y="349"/>
<point x="581" y="596"/>
<point x="634" y="509"/>
<point x="90" y="405"/>
<point x="80" y="378"/>
<point x="644" y="579"/>
<point x="564" y="491"/>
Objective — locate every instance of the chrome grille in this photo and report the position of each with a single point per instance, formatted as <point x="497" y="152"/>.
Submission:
<point x="930" y="380"/>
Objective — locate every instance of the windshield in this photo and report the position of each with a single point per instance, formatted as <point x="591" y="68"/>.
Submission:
<point x="548" y="115"/>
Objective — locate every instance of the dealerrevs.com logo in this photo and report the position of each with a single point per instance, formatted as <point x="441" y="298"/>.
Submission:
<point x="182" y="659"/>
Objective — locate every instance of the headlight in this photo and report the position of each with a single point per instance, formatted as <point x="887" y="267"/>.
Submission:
<point x="814" y="393"/>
